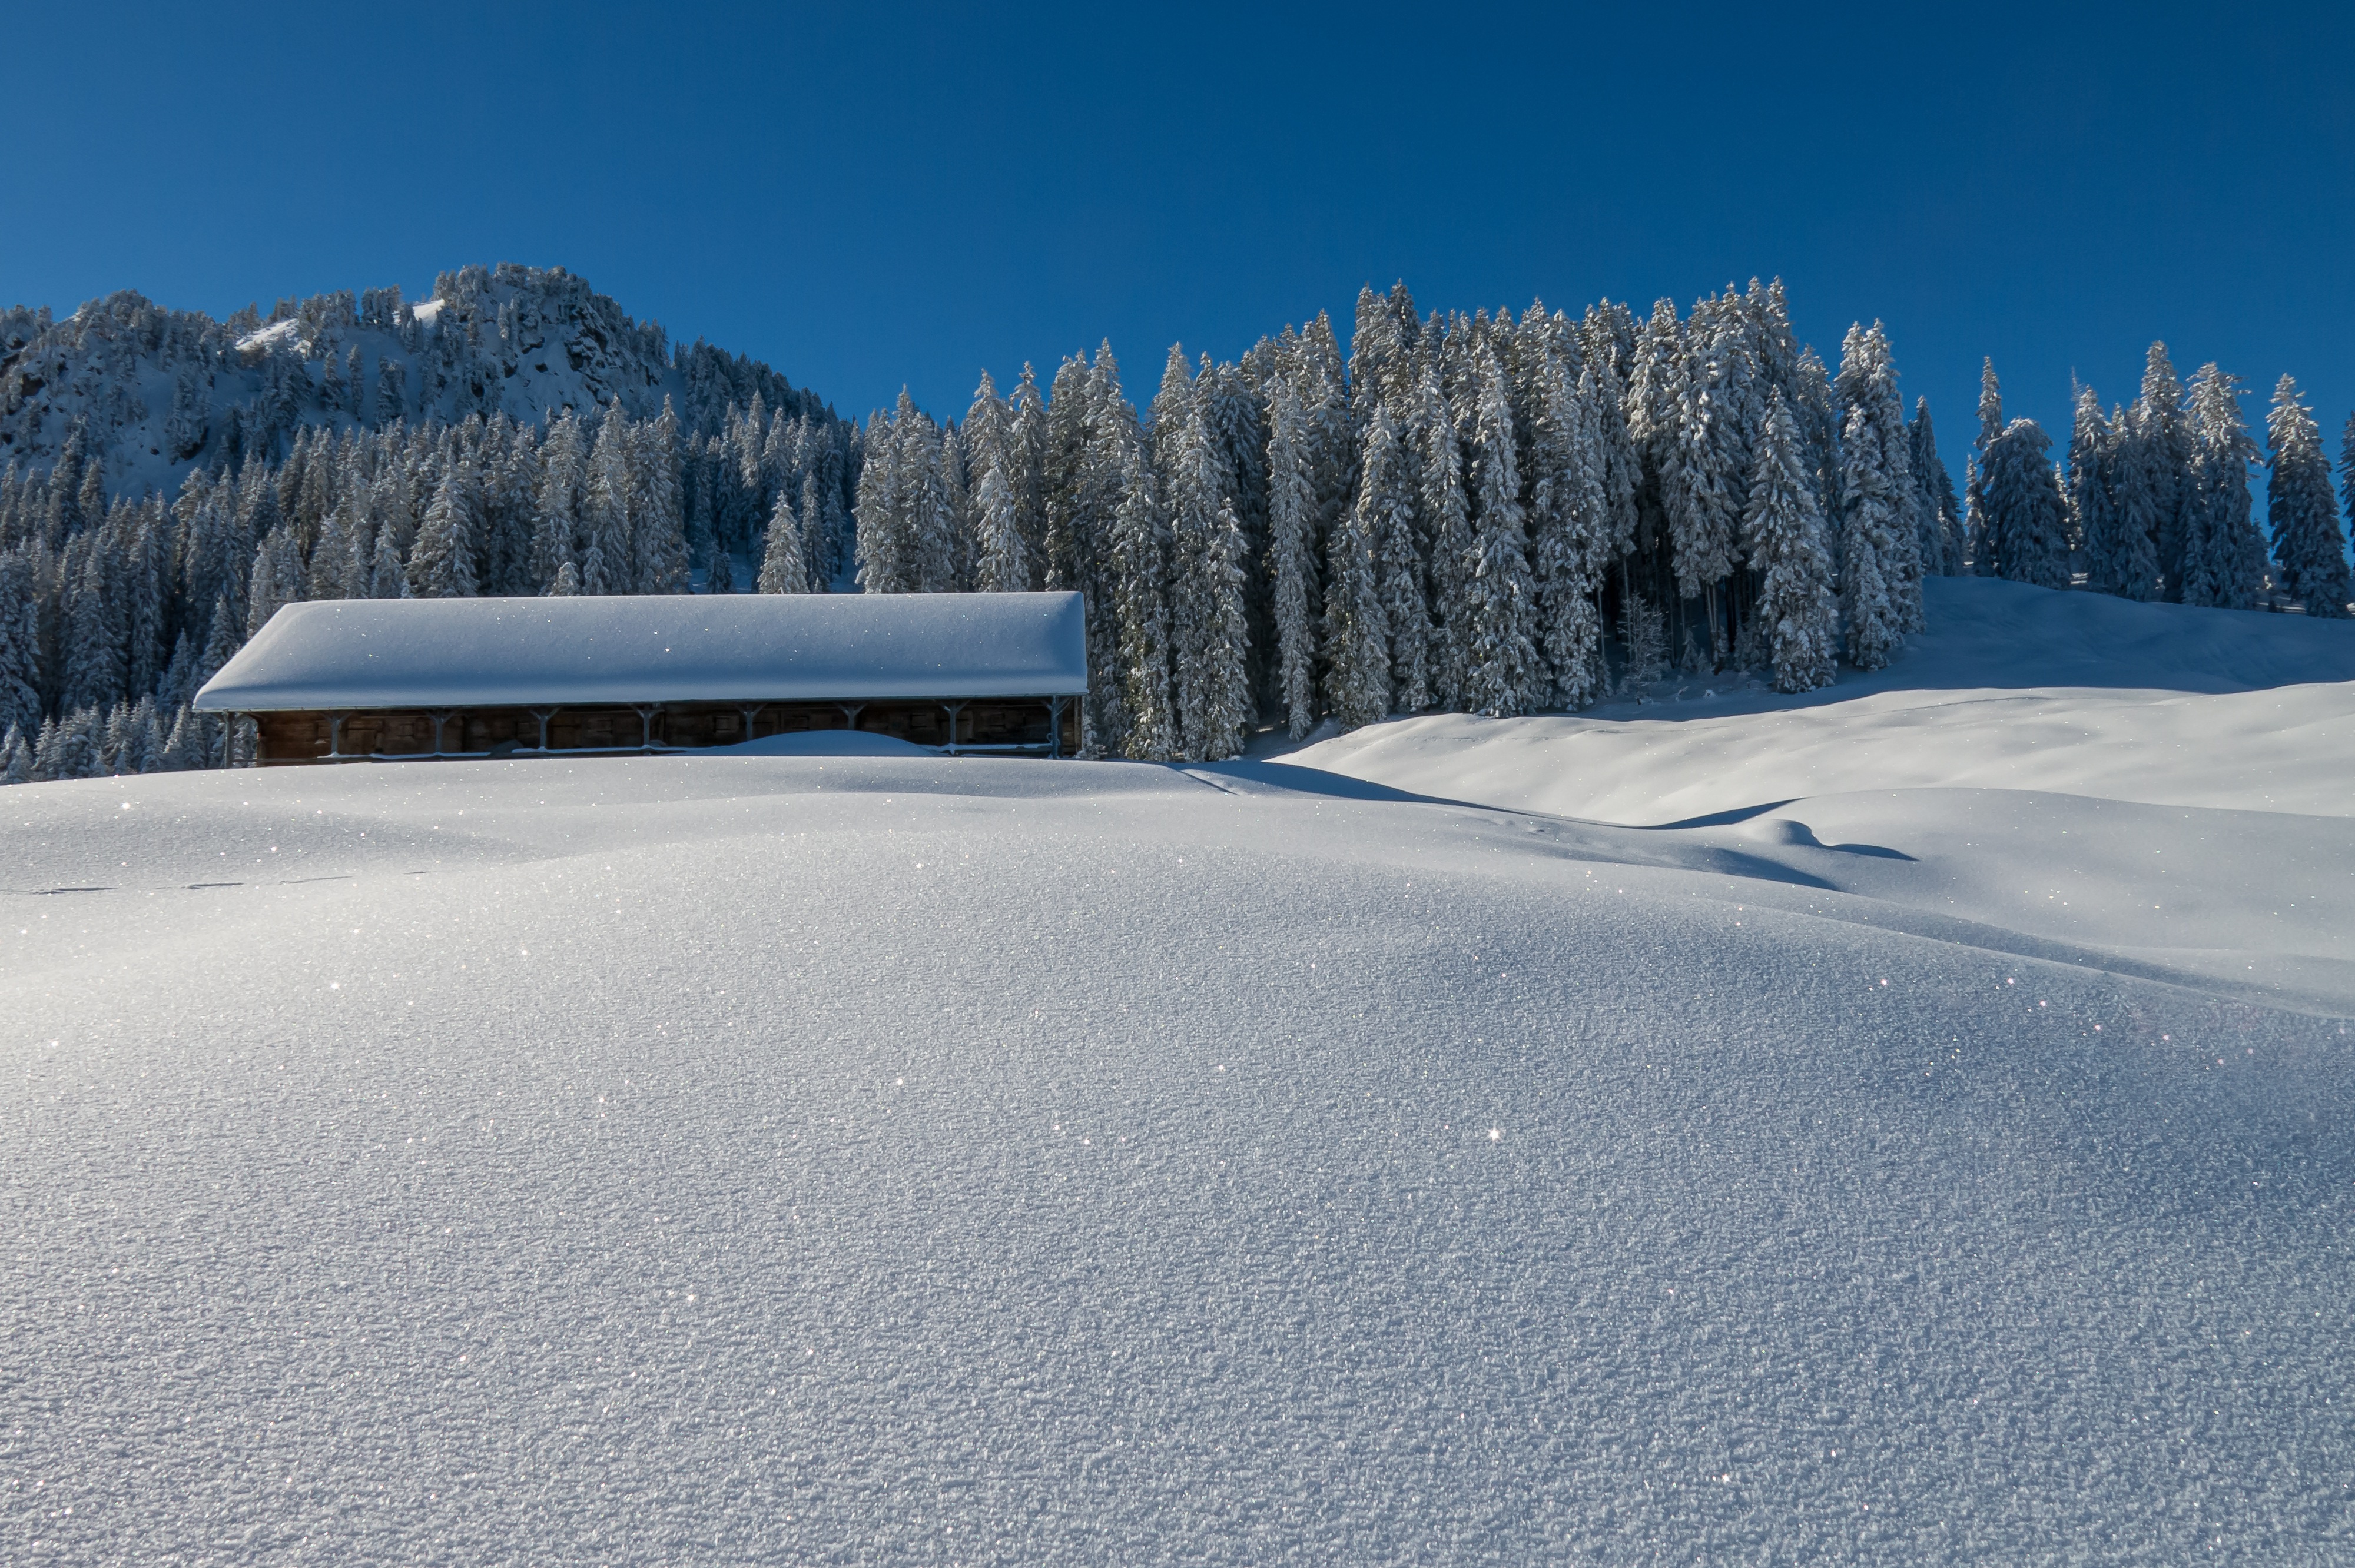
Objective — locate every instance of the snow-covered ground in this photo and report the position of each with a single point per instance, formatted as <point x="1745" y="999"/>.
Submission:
<point x="886" y="1158"/>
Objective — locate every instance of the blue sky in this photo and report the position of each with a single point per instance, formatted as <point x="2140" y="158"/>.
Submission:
<point x="868" y="196"/>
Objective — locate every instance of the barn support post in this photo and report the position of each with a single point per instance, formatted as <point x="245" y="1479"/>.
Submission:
<point x="543" y="715"/>
<point x="850" y="712"/>
<point x="954" y="709"/>
<point x="336" y="736"/>
<point x="1054" y="727"/>
<point x="646" y="712"/>
<point x="750" y="712"/>
<point x="440" y="717"/>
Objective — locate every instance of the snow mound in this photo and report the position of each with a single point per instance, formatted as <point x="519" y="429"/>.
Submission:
<point x="1929" y="1140"/>
<point x="2014" y="687"/>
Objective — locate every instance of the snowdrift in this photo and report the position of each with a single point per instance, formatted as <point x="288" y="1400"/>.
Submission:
<point x="870" y="1159"/>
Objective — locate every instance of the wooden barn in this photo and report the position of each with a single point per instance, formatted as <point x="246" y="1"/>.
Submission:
<point x="374" y="680"/>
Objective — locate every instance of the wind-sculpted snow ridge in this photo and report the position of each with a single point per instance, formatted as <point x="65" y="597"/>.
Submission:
<point x="2014" y="687"/>
<point x="876" y="1159"/>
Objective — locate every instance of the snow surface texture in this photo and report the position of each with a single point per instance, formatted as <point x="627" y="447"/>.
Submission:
<point x="391" y="652"/>
<point x="885" y="1160"/>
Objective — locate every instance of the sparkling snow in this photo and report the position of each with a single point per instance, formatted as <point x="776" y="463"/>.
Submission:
<point x="882" y="1158"/>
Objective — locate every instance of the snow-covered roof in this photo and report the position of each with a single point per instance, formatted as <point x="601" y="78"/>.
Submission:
<point x="492" y="652"/>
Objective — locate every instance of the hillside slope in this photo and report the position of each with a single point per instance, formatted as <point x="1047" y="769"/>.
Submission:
<point x="876" y="1159"/>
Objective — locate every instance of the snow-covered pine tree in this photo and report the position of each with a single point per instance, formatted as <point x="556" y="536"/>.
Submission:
<point x="2303" y="513"/>
<point x="2117" y="550"/>
<point x="1141" y="593"/>
<point x="884" y="558"/>
<point x="2224" y="554"/>
<point x="608" y="554"/>
<point x="1356" y="642"/>
<point x="2159" y="428"/>
<point x="20" y="646"/>
<point x="1566" y="517"/>
<point x="1868" y="385"/>
<point x="95" y="667"/>
<point x="1870" y="511"/>
<point x="1942" y="521"/>
<point x="567" y="584"/>
<point x="659" y="534"/>
<point x="1504" y="672"/>
<point x="2025" y="516"/>
<point x="1386" y="499"/>
<point x="785" y="565"/>
<point x="1028" y="472"/>
<point x="442" y="566"/>
<point x="1448" y="520"/>
<point x="388" y="578"/>
<point x="1782" y="530"/>
<point x="1005" y="564"/>
<point x="721" y="577"/>
<point x="1209" y="632"/>
<point x="1704" y="480"/>
<point x="1292" y="555"/>
<point x="276" y="580"/>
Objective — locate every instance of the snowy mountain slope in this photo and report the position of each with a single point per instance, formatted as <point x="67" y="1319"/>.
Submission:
<point x="867" y="1159"/>
<point x="2012" y="687"/>
<point x="159" y="391"/>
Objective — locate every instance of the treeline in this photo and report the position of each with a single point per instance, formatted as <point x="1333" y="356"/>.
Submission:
<point x="1465" y="514"/>
<point x="2152" y="501"/>
<point x="115" y="612"/>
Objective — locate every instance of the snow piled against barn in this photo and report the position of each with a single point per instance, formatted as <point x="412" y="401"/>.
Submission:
<point x="1934" y="1149"/>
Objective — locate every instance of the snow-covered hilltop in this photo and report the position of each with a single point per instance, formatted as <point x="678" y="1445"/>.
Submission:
<point x="155" y="392"/>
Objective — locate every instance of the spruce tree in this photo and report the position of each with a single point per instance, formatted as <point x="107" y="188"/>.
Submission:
<point x="1142" y="592"/>
<point x="1292" y="556"/>
<point x="1207" y="629"/>
<point x="608" y="556"/>
<point x="1386" y="498"/>
<point x="1869" y="506"/>
<point x="2166" y="458"/>
<point x="1356" y="650"/>
<point x="2301" y="509"/>
<point x="785" y="563"/>
<point x="659" y="534"/>
<point x="1942" y="514"/>
<point x="1782" y="530"/>
<point x="1448" y="515"/>
<point x="20" y="645"/>
<point x="2025" y="526"/>
<point x="1880" y="441"/>
<point x="2091" y="486"/>
<point x="442" y="566"/>
<point x="1504" y="673"/>
<point x="1005" y="564"/>
<point x="2224" y="554"/>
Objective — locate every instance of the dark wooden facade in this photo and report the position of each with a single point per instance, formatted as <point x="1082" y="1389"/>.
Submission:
<point x="1047" y="726"/>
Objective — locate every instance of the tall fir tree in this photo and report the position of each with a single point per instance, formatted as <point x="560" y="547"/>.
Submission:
<point x="2224" y="555"/>
<point x="2301" y="510"/>
<point x="1942" y="519"/>
<point x="1141" y="594"/>
<point x="1504" y="673"/>
<point x="1386" y="500"/>
<point x="1292" y="556"/>
<point x="442" y="566"/>
<point x="608" y="554"/>
<point x="1451" y="563"/>
<point x="784" y="567"/>
<point x="2024" y="515"/>
<point x="1356" y="632"/>
<point x="1782" y="531"/>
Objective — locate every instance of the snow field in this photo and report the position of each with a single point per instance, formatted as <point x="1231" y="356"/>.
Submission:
<point x="885" y="1160"/>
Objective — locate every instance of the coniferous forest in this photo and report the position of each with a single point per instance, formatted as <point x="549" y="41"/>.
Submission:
<point x="1497" y="514"/>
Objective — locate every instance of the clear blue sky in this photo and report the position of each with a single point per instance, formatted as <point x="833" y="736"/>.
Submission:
<point x="866" y="196"/>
